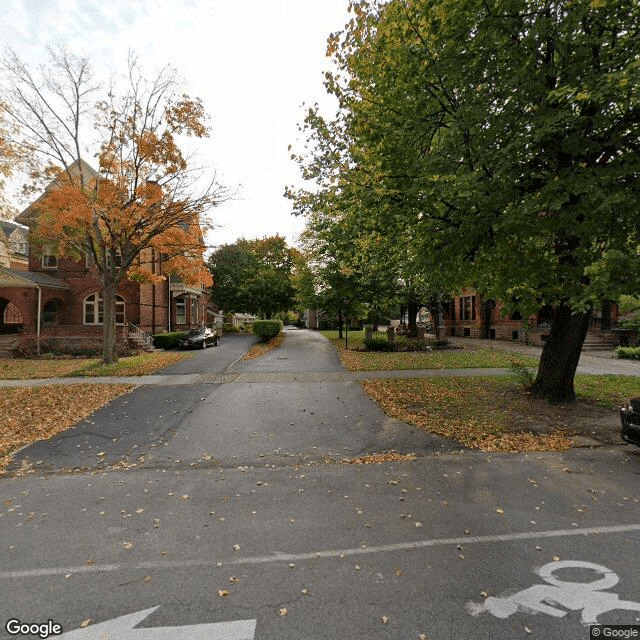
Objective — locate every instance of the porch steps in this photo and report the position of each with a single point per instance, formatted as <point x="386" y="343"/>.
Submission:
<point x="139" y="338"/>
<point x="599" y="343"/>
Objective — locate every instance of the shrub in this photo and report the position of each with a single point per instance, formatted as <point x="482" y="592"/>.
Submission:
<point x="168" y="340"/>
<point x="521" y="374"/>
<point x="440" y="344"/>
<point x="28" y="346"/>
<point x="228" y="327"/>
<point x="628" y="352"/>
<point x="266" y="329"/>
<point x="378" y="344"/>
<point x="299" y="323"/>
<point x="632" y="322"/>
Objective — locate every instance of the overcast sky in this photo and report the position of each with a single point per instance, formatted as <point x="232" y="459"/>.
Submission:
<point x="253" y="63"/>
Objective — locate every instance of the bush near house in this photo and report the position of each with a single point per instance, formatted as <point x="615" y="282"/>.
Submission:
<point x="628" y="352"/>
<point x="228" y="327"/>
<point x="266" y="329"/>
<point x="167" y="340"/>
<point x="378" y="344"/>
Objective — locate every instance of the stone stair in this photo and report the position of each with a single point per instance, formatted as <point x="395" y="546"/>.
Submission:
<point x="599" y="342"/>
<point x="8" y="345"/>
<point x="137" y="337"/>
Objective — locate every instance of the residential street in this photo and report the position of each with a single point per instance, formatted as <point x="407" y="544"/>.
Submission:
<point x="220" y="495"/>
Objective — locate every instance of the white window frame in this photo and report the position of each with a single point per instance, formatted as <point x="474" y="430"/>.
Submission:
<point x="181" y="303"/>
<point x="49" y="258"/>
<point x="95" y="305"/>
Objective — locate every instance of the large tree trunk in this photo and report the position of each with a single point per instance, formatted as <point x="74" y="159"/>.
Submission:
<point x="560" y="356"/>
<point x="109" y="352"/>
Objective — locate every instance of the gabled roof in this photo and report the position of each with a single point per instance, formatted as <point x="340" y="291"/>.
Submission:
<point x="14" y="278"/>
<point x="9" y="227"/>
<point x="29" y="214"/>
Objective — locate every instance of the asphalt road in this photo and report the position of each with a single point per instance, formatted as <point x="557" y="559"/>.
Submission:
<point x="214" y="503"/>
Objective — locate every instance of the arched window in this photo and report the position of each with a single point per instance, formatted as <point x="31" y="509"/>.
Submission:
<point x="50" y="312"/>
<point x="12" y="314"/>
<point x="94" y="309"/>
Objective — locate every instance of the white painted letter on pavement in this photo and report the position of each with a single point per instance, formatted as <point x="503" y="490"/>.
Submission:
<point x="574" y="596"/>
<point x="122" y="628"/>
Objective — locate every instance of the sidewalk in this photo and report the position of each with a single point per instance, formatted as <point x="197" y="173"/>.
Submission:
<point x="600" y="367"/>
<point x="594" y="362"/>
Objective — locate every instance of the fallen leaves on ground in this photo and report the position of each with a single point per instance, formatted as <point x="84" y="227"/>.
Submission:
<point x="377" y="458"/>
<point x="60" y="367"/>
<point x="37" y="413"/>
<point x="141" y="365"/>
<point x="479" y="413"/>
<point x="30" y="369"/>
<point x="260" y="348"/>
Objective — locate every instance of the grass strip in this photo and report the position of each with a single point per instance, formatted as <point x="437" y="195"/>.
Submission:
<point x="494" y="414"/>
<point x="356" y="359"/>
<point x="260" y="348"/>
<point x="36" y="368"/>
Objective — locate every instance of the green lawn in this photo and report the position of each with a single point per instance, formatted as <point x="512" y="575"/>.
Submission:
<point x="140" y="365"/>
<point x="497" y="414"/>
<point x="356" y="359"/>
<point x="607" y="390"/>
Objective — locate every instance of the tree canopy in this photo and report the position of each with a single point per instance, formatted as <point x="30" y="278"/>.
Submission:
<point x="143" y="198"/>
<point x="255" y="276"/>
<point x="500" y="141"/>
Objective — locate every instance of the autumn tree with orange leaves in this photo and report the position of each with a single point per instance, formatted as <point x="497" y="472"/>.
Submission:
<point x="146" y="193"/>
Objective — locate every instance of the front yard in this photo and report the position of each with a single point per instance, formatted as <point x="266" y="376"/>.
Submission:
<point x="28" y="414"/>
<point x="355" y="358"/>
<point x="490" y="414"/>
<point x="60" y="367"/>
<point x="496" y="414"/>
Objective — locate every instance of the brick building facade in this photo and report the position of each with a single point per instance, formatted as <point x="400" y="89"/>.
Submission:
<point x="58" y="299"/>
<point x="471" y="315"/>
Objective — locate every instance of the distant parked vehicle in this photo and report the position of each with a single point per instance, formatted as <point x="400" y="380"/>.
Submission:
<point x="630" y="416"/>
<point x="199" y="338"/>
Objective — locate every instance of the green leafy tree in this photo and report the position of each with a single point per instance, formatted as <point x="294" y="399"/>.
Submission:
<point x="254" y="276"/>
<point x="503" y="138"/>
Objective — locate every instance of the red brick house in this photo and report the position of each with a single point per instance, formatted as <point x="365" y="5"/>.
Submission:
<point x="471" y="315"/>
<point x="56" y="301"/>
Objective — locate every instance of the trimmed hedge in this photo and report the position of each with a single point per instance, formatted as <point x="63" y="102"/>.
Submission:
<point x="378" y="344"/>
<point x="264" y="330"/>
<point x="167" y="340"/>
<point x="628" y="352"/>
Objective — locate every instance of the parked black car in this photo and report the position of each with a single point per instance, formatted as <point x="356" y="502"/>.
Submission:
<point x="630" y="416"/>
<point x="199" y="338"/>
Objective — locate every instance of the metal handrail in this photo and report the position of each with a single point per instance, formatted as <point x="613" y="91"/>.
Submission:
<point x="140" y="335"/>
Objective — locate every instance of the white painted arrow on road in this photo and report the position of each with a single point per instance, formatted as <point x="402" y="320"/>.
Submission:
<point x="122" y="628"/>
